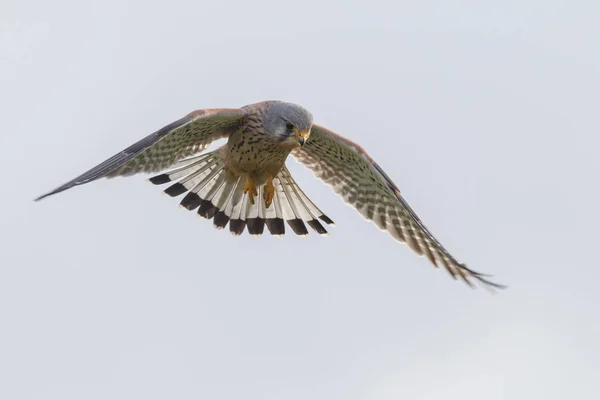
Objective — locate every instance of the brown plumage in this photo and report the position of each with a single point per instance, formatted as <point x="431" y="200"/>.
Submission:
<point x="245" y="184"/>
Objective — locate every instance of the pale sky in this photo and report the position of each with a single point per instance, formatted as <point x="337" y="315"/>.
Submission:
<point x="485" y="116"/>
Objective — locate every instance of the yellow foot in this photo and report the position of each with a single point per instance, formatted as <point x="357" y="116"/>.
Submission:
<point x="269" y="192"/>
<point x="250" y="188"/>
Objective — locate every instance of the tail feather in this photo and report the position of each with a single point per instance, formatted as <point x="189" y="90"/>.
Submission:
<point x="226" y="205"/>
<point x="255" y="218"/>
<point x="235" y="204"/>
<point x="221" y="199"/>
<point x="198" y="175"/>
<point x="274" y="217"/>
<point x="184" y="168"/>
<point x="208" y="187"/>
<point x="288" y="204"/>
<point x="207" y="209"/>
<point x="238" y="211"/>
<point x="308" y="210"/>
<point x="193" y="199"/>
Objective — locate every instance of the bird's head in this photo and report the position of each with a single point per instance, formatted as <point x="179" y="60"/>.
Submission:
<point x="289" y="123"/>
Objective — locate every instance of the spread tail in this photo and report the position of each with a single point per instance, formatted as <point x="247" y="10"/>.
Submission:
<point x="204" y="178"/>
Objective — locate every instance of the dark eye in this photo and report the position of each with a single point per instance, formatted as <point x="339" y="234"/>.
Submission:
<point x="289" y="126"/>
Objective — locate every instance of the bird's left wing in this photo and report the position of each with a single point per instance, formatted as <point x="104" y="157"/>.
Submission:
<point x="357" y="178"/>
<point x="161" y="149"/>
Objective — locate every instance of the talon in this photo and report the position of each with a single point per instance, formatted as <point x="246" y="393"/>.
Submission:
<point x="250" y="188"/>
<point x="269" y="192"/>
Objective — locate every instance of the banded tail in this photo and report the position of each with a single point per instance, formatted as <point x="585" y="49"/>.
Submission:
<point x="204" y="178"/>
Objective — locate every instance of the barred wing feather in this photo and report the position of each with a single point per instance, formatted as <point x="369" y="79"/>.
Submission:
<point x="163" y="148"/>
<point x="357" y="178"/>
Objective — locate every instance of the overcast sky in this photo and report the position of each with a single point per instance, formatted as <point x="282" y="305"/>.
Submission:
<point x="486" y="117"/>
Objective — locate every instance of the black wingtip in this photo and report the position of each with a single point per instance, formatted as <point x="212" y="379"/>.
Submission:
<point x="42" y="197"/>
<point x="481" y="277"/>
<point x="57" y="190"/>
<point x="490" y="284"/>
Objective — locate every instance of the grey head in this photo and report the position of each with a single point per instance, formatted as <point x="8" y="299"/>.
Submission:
<point x="289" y="123"/>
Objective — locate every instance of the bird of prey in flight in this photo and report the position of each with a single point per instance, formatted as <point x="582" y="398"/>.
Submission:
<point x="246" y="184"/>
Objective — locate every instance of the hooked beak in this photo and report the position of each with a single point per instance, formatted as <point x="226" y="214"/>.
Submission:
<point x="301" y="137"/>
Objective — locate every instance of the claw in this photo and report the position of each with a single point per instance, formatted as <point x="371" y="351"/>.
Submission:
<point x="269" y="192"/>
<point x="250" y="188"/>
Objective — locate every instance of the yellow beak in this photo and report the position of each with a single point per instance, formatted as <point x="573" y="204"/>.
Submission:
<point x="301" y="137"/>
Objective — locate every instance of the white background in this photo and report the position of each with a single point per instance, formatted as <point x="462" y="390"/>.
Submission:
<point x="486" y="116"/>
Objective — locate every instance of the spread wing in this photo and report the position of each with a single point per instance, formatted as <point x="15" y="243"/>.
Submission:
<point x="161" y="149"/>
<point x="358" y="179"/>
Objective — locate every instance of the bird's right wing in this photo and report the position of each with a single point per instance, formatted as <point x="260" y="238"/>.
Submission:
<point x="163" y="148"/>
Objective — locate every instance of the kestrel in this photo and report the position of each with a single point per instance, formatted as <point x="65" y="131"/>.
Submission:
<point x="245" y="182"/>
